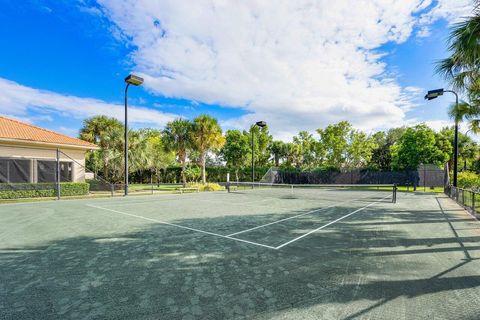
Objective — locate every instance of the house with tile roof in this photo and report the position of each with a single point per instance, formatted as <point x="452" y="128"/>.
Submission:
<point x="28" y="154"/>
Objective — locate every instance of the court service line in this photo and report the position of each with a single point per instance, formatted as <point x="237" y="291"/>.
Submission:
<point x="296" y="216"/>
<point x="328" y="224"/>
<point x="182" y="227"/>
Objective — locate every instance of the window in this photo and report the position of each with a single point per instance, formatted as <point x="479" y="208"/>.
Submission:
<point x="47" y="171"/>
<point x="14" y="170"/>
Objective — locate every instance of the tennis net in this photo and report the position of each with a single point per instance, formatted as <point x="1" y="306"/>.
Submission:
<point x="316" y="191"/>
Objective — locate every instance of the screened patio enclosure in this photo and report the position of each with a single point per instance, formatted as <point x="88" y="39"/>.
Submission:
<point x="22" y="170"/>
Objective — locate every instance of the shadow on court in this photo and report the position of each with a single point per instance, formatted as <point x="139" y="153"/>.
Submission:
<point x="392" y="262"/>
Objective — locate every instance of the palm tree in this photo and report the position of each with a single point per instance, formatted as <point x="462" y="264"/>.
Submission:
<point x="138" y="151"/>
<point x="462" y="68"/>
<point x="279" y="151"/>
<point x="463" y="111"/>
<point x="157" y="157"/>
<point x="96" y="130"/>
<point x="177" y="136"/>
<point x="112" y="153"/>
<point x="206" y="136"/>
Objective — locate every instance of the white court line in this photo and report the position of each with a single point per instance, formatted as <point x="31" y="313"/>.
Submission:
<point x="330" y="223"/>
<point x="296" y="216"/>
<point x="183" y="227"/>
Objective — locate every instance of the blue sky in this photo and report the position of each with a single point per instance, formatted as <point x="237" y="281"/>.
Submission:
<point x="63" y="61"/>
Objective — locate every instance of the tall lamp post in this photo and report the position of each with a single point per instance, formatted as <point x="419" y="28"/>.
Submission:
<point x="433" y="94"/>
<point x="136" y="81"/>
<point x="260" y="124"/>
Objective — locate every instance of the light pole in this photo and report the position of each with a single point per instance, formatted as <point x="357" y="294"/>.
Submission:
<point x="433" y="94"/>
<point x="260" y="124"/>
<point x="136" y="81"/>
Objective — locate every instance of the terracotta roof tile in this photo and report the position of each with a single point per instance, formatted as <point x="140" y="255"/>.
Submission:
<point x="16" y="130"/>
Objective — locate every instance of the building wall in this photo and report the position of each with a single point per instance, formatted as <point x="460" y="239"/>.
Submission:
<point x="77" y="157"/>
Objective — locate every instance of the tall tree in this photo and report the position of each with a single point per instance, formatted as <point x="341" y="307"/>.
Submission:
<point x="334" y="142"/>
<point x="293" y="155"/>
<point x="359" y="150"/>
<point x="96" y="130"/>
<point x="416" y="146"/>
<point x="206" y="136"/>
<point x="278" y="150"/>
<point x="158" y="159"/>
<point x="262" y="140"/>
<point x="178" y="138"/>
<point x="236" y="150"/>
<point x="307" y="143"/>
<point x="467" y="148"/>
<point x="112" y="152"/>
<point x="381" y="155"/>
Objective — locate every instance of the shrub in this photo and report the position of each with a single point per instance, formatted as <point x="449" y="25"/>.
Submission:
<point x="206" y="187"/>
<point x="468" y="180"/>
<point x="193" y="173"/>
<point x="40" y="190"/>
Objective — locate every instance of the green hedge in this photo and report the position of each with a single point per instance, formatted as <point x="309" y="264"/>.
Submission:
<point x="39" y="190"/>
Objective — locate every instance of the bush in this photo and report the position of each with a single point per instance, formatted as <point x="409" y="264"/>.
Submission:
<point x="193" y="173"/>
<point x="206" y="187"/>
<point x="40" y="190"/>
<point x="468" y="180"/>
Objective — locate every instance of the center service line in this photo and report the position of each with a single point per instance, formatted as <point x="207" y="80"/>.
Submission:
<point x="330" y="223"/>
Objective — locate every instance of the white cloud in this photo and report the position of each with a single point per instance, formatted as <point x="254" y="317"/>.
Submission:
<point x="436" y="125"/>
<point x="452" y="11"/>
<point x="296" y="64"/>
<point x="16" y="100"/>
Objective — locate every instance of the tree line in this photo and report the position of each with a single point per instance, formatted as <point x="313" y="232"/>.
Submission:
<point x="195" y="144"/>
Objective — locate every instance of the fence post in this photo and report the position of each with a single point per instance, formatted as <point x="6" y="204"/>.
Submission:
<point x="424" y="179"/>
<point x="151" y="181"/>
<point x="473" y="203"/>
<point x="57" y="175"/>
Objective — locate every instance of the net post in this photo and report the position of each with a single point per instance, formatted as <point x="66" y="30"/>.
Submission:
<point x="228" y="182"/>
<point x="57" y="175"/>
<point x="151" y="181"/>
<point x="394" y="198"/>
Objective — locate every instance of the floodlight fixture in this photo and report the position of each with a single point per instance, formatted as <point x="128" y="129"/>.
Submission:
<point x="433" y="94"/>
<point x="261" y="124"/>
<point x="134" y="80"/>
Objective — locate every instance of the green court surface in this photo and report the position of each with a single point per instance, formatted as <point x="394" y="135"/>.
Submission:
<point x="339" y="254"/>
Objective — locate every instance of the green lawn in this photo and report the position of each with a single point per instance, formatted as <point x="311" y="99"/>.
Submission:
<point x="148" y="187"/>
<point x="421" y="189"/>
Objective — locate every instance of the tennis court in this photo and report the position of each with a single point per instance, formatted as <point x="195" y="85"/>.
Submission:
<point x="261" y="253"/>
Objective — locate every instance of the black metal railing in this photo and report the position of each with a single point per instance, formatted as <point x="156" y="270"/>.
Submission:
<point x="469" y="199"/>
